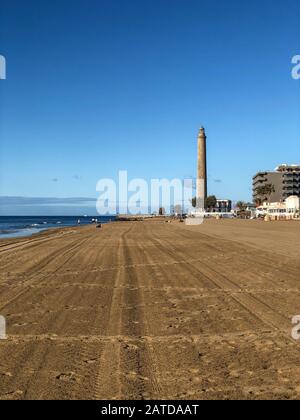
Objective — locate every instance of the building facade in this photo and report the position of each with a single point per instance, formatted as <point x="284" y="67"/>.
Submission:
<point x="288" y="209"/>
<point x="285" y="179"/>
<point x="290" y="180"/>
<point x="223" y="206"/>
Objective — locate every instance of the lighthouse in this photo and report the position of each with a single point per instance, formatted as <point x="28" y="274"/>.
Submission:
<point x="201" y="171"/>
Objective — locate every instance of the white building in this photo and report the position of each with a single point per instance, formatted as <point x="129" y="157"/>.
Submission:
<point x="287" y="209"/>
<point x="292" y="204"/>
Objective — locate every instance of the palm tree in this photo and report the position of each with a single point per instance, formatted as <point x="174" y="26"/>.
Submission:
<point x="241" y="205"/>
<point x="258" y="201"/>
<point x="264" y="192"/>
<point x="210" y="202"/>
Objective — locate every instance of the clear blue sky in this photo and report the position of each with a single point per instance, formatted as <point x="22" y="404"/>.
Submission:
<point x="96" y="86"/>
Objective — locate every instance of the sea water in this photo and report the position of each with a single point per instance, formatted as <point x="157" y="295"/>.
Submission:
<point x="19" y="226"/>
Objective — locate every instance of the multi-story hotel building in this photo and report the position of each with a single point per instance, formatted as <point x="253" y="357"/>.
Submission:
<point x="285" y="179"/>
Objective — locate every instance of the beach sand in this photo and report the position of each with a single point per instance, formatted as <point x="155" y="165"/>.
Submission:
<point x="150" y="310"/>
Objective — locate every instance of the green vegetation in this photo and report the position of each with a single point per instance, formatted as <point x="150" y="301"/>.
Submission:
<point x="264" y="193"/>
<point x="210" y="202"/>
<point x="241" y="205"/>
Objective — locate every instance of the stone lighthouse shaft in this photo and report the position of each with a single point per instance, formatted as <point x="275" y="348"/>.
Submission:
<point x="201" y="170"/>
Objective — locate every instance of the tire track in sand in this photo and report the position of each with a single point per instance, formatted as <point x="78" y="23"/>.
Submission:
<point x="260" y="310"/>
<point x="35" y="388"/>
<point x="107" y="381"/>
<point x="34" y="274"/>
<point x="127" y="367"/>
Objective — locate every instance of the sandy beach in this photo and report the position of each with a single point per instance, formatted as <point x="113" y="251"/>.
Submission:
<point x="152" y="310"/>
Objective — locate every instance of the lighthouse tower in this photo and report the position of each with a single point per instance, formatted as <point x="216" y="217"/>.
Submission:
<point x="201" y="170"/>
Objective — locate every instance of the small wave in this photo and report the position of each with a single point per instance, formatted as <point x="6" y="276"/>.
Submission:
<point x="7" y="231"/>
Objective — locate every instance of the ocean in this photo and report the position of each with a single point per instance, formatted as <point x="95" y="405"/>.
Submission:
<point x="20" y="226"/>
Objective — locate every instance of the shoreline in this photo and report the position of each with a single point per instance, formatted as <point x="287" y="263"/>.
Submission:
<point x="45" y="234"/>
<point x="34" y="229"/>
